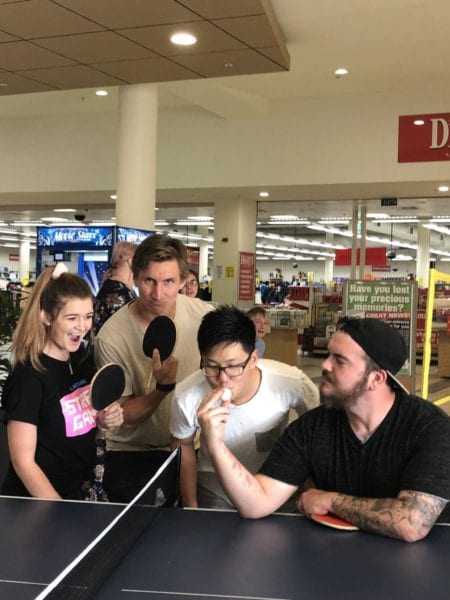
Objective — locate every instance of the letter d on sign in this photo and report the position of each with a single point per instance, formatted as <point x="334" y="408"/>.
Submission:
<point x="435" y="143"/>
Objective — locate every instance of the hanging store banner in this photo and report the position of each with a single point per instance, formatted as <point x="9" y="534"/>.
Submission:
<point x="424" y="138"/>
<point x="247" y="276"/>
<point x="374" y="256"/>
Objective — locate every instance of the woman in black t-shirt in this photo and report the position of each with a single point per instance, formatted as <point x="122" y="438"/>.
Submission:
<point x="50" y="422"/>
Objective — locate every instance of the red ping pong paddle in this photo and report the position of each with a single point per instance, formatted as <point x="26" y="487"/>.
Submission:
<point x="335" y="522"/>
<point x="160" y="334"/>
<point x="107" y="386"/>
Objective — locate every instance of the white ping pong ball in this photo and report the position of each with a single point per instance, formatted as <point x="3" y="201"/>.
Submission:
<point x="226" y="395"/>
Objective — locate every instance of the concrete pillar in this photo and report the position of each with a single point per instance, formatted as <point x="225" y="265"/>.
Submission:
<point x="362" y="218"/>
<point x="24" y="262"/>
<point x="136" y="179"/>
<point x="234" y="232"/>
<point x="423" y="256"/>
<point x="329" y="262"/>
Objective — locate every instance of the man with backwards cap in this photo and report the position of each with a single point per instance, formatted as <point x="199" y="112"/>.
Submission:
<point x="378" y="456"/>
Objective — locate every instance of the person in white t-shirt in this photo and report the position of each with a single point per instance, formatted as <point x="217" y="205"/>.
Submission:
<point x="262" y="392"/>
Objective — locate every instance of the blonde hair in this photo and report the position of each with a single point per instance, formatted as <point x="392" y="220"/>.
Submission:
<point x="258" y="311"/>
<point x="122" y="251"/>
<point x="50" y="295"/>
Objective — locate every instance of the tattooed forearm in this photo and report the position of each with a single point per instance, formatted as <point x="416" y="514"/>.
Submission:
<point x="409" y="517"/>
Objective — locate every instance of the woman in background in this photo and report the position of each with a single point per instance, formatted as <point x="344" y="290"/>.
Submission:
<point x="117" y="286"/>
<point x="51" y="424"/>
<point x="191" y="287"/>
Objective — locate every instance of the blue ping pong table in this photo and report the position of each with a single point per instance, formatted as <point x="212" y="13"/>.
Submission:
<point x="204" y="554"/>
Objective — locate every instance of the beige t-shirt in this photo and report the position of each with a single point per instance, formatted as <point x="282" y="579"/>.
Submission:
<point x="120" y="341"/>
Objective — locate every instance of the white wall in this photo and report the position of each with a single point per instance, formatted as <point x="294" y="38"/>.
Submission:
<point x="320" y="141"/>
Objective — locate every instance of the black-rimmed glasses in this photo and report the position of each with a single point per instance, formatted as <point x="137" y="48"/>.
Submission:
<point x="230" y="371"/>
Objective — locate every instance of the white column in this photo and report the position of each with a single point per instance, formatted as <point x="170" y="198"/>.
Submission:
<point x="234" y="232"/>
<point x="362" y="218"/>
<point x="329" y="262"/>
<point x="136" y="179"/>
<point x="24" y="262"/>
<point x="423" y="256"/>
<point x="355" y="219"/>
<point x="203" y="253"/>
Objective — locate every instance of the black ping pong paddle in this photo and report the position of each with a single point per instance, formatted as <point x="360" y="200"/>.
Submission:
<point x="107" y="386"/>
<point x="160" y="334"/>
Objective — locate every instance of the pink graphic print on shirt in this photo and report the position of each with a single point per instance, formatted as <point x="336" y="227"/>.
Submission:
<point x="78" y="412"/>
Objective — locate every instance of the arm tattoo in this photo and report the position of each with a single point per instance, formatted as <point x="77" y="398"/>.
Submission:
<point x="409" y="516"/>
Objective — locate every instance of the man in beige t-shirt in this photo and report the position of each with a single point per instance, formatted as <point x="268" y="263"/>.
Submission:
<point x="137" y="449"/>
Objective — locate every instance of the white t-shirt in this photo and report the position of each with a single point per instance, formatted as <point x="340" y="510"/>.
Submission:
<point x="253" y="427"/>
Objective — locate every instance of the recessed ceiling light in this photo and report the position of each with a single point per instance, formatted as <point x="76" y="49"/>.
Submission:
<point x="419" y="122"/>
<point x="264" y="194"/>
<point x="101" y="93"/>
<point x="228" y="65"/>
<point x="113" y="196"/>
<point x="340" y="72"/>
<point x="183" y="38"/>
<point x="443" y="188"/>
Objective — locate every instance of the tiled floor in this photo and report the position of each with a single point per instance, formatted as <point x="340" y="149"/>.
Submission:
<point x="438" y="387"/>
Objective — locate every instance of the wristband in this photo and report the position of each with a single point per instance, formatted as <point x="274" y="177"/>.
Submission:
<point x="165" y="387"/>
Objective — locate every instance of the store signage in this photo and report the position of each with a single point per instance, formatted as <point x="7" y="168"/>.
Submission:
<point x="247" y="276"/>
<point x="135" y="236"/>
<point x="74" y="236"/>
<point x="390" y="301"/>
<point x="424" y="138"/>
<point x="374" y="256"/>
<point x="388" y="201"/>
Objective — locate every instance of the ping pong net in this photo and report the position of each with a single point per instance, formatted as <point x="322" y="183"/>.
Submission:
<point x="86" y="574"/>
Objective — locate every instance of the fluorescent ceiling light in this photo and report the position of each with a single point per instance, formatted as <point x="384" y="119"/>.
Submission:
<point x="55" y="219"/>
<point x="64" y="210"/>
<point x="206" y="219"/>
<point x="377" y="216"/>
<point x="264" y="194"/>
<point x="340" y="72"/>
<point x="187" y="223"/>
<point x="443" y="188"/>
<point x="397" y="220"/>
<point x="101" y="93"/>
<point x="27" y="223"/>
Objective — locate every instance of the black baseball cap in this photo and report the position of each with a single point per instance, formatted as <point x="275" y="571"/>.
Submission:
<point x="385" y="345"/>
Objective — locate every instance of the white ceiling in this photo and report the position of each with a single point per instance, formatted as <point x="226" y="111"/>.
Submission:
<point x="387" y="45"/>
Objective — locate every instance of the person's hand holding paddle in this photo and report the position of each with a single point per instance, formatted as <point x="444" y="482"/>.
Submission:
<point x="106" y="388"/>
<point x="317" y="505"/>
<point x="158" y="343"/>
<point x="165" y="372"/>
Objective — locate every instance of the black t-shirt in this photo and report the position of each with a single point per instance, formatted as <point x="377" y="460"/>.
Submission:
<point x="57" y="402"/>
<point x="410" y="450"/>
